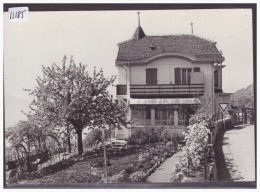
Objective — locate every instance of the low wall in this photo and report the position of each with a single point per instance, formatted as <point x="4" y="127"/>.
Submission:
<point x="219" y="129"/>
<point x="220" y="126"/>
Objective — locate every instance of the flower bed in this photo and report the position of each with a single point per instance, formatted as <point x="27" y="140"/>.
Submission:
<point x="147" y="162"/>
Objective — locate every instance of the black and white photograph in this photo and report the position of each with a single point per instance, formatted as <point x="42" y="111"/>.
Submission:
<point x="129" y="95"/>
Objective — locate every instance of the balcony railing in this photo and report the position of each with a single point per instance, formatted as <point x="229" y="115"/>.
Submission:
<point x="121" y="89"/>
<point x="167" y="90"/>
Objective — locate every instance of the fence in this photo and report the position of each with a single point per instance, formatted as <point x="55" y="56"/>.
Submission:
<point x="217" y="124"/>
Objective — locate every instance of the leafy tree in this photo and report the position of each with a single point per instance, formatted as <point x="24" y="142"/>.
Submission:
<point x="202" y="111"/>
<point x="243" y="97"/>
<point x="20" y="136"/>
<point x="69" y="94"/>
<point x="30" y="135"/>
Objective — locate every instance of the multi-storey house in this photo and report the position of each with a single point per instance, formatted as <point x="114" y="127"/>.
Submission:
<point x="162" y="77"/>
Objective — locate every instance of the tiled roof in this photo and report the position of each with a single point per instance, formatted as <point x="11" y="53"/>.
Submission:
<point x="137" y="50"/>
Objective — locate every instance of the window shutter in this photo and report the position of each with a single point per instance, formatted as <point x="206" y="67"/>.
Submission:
<point x="177" y="76"/>
<point x="216" y="78"/>
<point x="151" y="76"/>
<point x="196" y="69"/>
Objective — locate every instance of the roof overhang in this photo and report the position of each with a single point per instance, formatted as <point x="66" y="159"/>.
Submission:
<point x="168" y="54"/>
<point x="175" y="101"/>
<point x="218" y="66"/>
<point x="223" y="94"/>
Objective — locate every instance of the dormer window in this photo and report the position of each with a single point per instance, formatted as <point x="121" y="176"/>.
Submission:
<point x="152" y="47"/>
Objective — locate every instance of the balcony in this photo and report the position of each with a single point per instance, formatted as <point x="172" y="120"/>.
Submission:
<point x="182" y="90"/>
<point x="166" y="90"/>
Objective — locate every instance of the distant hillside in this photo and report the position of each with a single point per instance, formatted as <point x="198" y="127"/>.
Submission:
<point x="243" y="97"/>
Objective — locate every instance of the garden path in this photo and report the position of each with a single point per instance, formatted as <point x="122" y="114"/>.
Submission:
<point x="164" y="172"/>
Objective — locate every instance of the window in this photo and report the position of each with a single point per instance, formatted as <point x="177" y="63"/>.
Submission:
<point x="151" y="76"/>
<point x="138" y="116"/>
<point x="182" y="118"/>
<point x="182" y="75"/>
<point x="196" y="69"/>
<point x="216" y="78"/>
<point x="164" y="115"/>
<point x="148" y="112"/>
<point x="152" y="47"/>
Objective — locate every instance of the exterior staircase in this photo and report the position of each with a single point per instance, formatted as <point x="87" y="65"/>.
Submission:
<point x="120" y="140"/>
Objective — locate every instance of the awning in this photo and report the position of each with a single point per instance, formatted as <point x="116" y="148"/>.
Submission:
<point x="164" y="101"/>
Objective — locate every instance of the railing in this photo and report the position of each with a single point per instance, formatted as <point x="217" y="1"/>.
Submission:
<point x="121" y="89"/>
<point x="166" y="90"/>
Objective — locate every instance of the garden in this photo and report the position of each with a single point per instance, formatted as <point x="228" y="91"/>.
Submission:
<point x="133" y="164"/>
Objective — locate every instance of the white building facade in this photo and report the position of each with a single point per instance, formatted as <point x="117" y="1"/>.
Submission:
<point x="162" y="77"/>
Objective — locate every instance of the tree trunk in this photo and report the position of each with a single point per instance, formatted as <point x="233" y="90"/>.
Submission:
<point x="28" y="164"/>
<point x="80" y="144"/>
<point x="69" y="145"/>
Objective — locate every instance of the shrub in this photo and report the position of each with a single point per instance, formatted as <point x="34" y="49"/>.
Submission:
<point x="169" y="145"/>
<point x="130" y="168"/>
<point x="139" y="137"/>
<point x="143" y="157"/>
<point x="148" y="165"/>
<point x="177" y="176"/>
<point x="193" y="152"/>
<point x="138" y="176"/>
<point x="120" y="178"/>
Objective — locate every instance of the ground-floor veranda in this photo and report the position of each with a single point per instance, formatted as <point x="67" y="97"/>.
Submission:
<point x="168" y="114"/>
<point x="161" y="115"/>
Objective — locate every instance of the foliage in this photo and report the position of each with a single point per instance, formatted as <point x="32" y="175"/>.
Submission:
<point x="193" y="152"/>
<point x="197" y="137"/>
<point x="138" y="176"/>
<point x="78" y="173"/>
<point x="93" y="136"/>
<point x="31" y="137"/>
<point x="69" y="95"/>
<point x="243" y="97"/>
<point x="196" y="142"/>
<point x="121" y="177"/>
<point x="139" y="137"/>
<point x="47" y="170"/>
<point x="203" y="111"/>
<point x="151" y="135"/>
<point x="77" y="170"/>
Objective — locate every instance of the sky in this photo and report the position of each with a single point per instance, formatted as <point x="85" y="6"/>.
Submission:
<point x="92" y="38"/>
